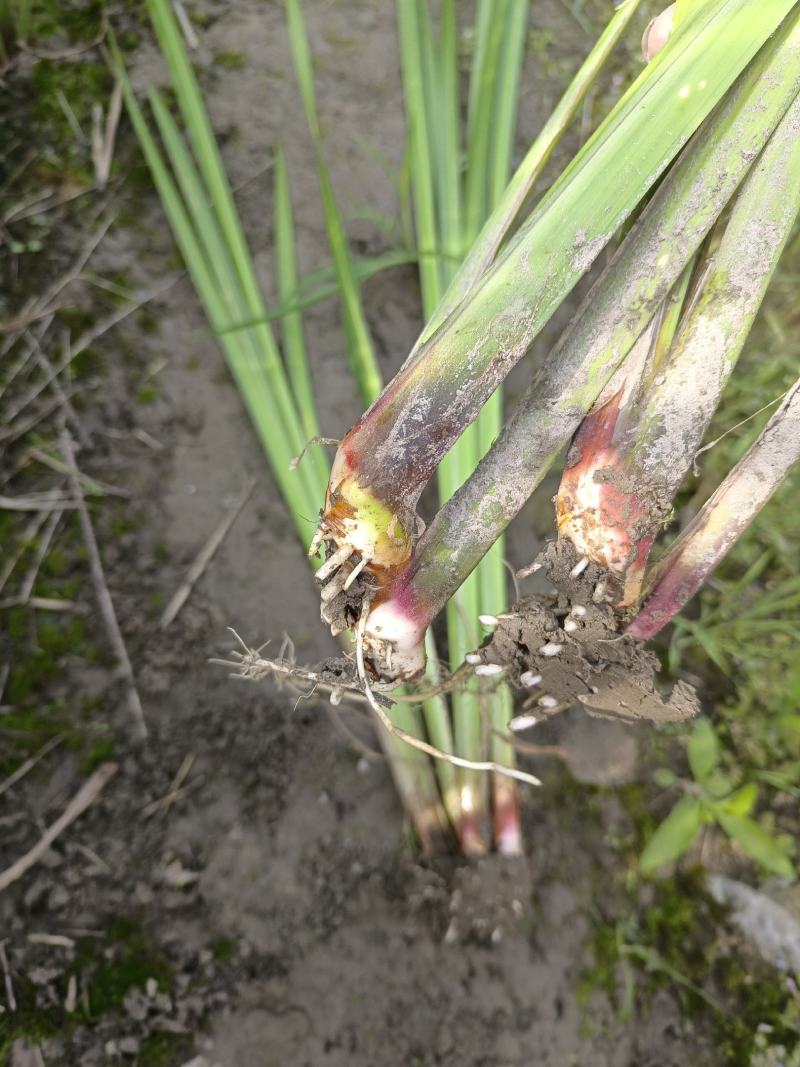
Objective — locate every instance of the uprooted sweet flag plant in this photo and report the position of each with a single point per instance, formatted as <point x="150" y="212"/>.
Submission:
<point x="689" y="188"/>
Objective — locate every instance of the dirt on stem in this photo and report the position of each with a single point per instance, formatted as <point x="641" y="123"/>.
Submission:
<point x="568" y="647"/>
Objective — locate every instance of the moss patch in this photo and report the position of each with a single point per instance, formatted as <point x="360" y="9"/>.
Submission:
<point x="675" y="940"/>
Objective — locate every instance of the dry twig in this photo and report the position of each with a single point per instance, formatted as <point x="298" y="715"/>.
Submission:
<point x="35" y="502"/>
<point x="13" y="558"/>
<point x="10" y="998"/>
<point x="163" y="804"/>
<point x="29" y="764"/>
<point x="42" y="548"/>
<point x="41" y="306"/>
<point x="204" y="557"/>
<point x="56" y="940"/>
<point x="104" y="600"/>
<point x="104" y="135"/>
<point x="185" y="24"/>
<point x="85" y="796"/>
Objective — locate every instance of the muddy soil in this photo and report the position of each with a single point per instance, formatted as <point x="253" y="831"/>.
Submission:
<point x="274" y="909"/>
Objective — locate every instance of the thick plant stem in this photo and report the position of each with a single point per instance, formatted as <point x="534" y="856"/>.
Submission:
<point x="607" y="522"/>
<point x="675" y="413"/>
<point x="633" y="452"/>
<point x="636" y="475"/>
<point x="603" y="520"/>
<point x="613" y="315"/>
<point x="722" y="520"/>
<point x="395" y="447"/>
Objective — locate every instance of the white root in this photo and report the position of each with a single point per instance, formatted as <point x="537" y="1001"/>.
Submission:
<point x="489" y="670"/>
<point x="528" y="679"/>
<point x="333" y="562"/>
<point x="333" y="587"/>
<point x="579" y="567"/>
<point x="320" y="534"/>
<point x="354" y="573"/>
<point x="522" y="722"/>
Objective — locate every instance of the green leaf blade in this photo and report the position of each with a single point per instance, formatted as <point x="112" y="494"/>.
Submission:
<point x="674" y="836"/>
<point x="757" y="844"/>
<point x="703" y="750"/>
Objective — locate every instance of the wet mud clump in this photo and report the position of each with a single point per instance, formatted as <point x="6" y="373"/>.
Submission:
<point x="567" y="647"/>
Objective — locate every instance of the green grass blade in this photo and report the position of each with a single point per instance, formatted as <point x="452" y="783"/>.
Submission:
<point x="294" y="345"/>
<point x="432" y="108"/>
<point x="504" y="117"/>
<point x="491" y="572"/>
<point x="361" y="355"/>
<point x="248" y="375"/>
<point x="507" y="209"/>
<point x="431" y="95"/>
<point x="321" y="284"/>
<point x="437" y="722"/>
<point x="448" y="136"/>
<point x="481" y="33"/>
<point x="209" y="162"/>
<point x="414" y="778"/>
<point x="430" y="99"/>
<point x="271" y="390"/>
<point x="492" y="121"/>
<point x="421" y="164"/>
<point x="492" y="20"/>
<point x="411" y="770"/>
<point x="221" y="203"/>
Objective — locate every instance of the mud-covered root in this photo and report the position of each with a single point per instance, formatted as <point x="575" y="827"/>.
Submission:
<point x="567" y="648"/>
<point x="394" y="645"/>
<point x="365" y="542"/>
<point x="343" y="579"/>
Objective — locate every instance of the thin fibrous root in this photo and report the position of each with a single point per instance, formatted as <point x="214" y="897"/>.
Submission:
<point x="340" y="556"/>
<point x="354" y="573"/>
<point x="532" y="568"/>
<point x="447" y="686"/>
<point x="334" y="586"/>
<point x="415" y="742"/>
<point x="320" y="535"/>
<point x="296" y="460"/>
<point x="250" y="665"/>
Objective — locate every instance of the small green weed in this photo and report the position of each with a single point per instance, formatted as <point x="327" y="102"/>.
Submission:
<point x="714" y="797"/>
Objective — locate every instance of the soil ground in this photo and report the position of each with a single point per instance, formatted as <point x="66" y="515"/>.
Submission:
<point x="276" y="910"/>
